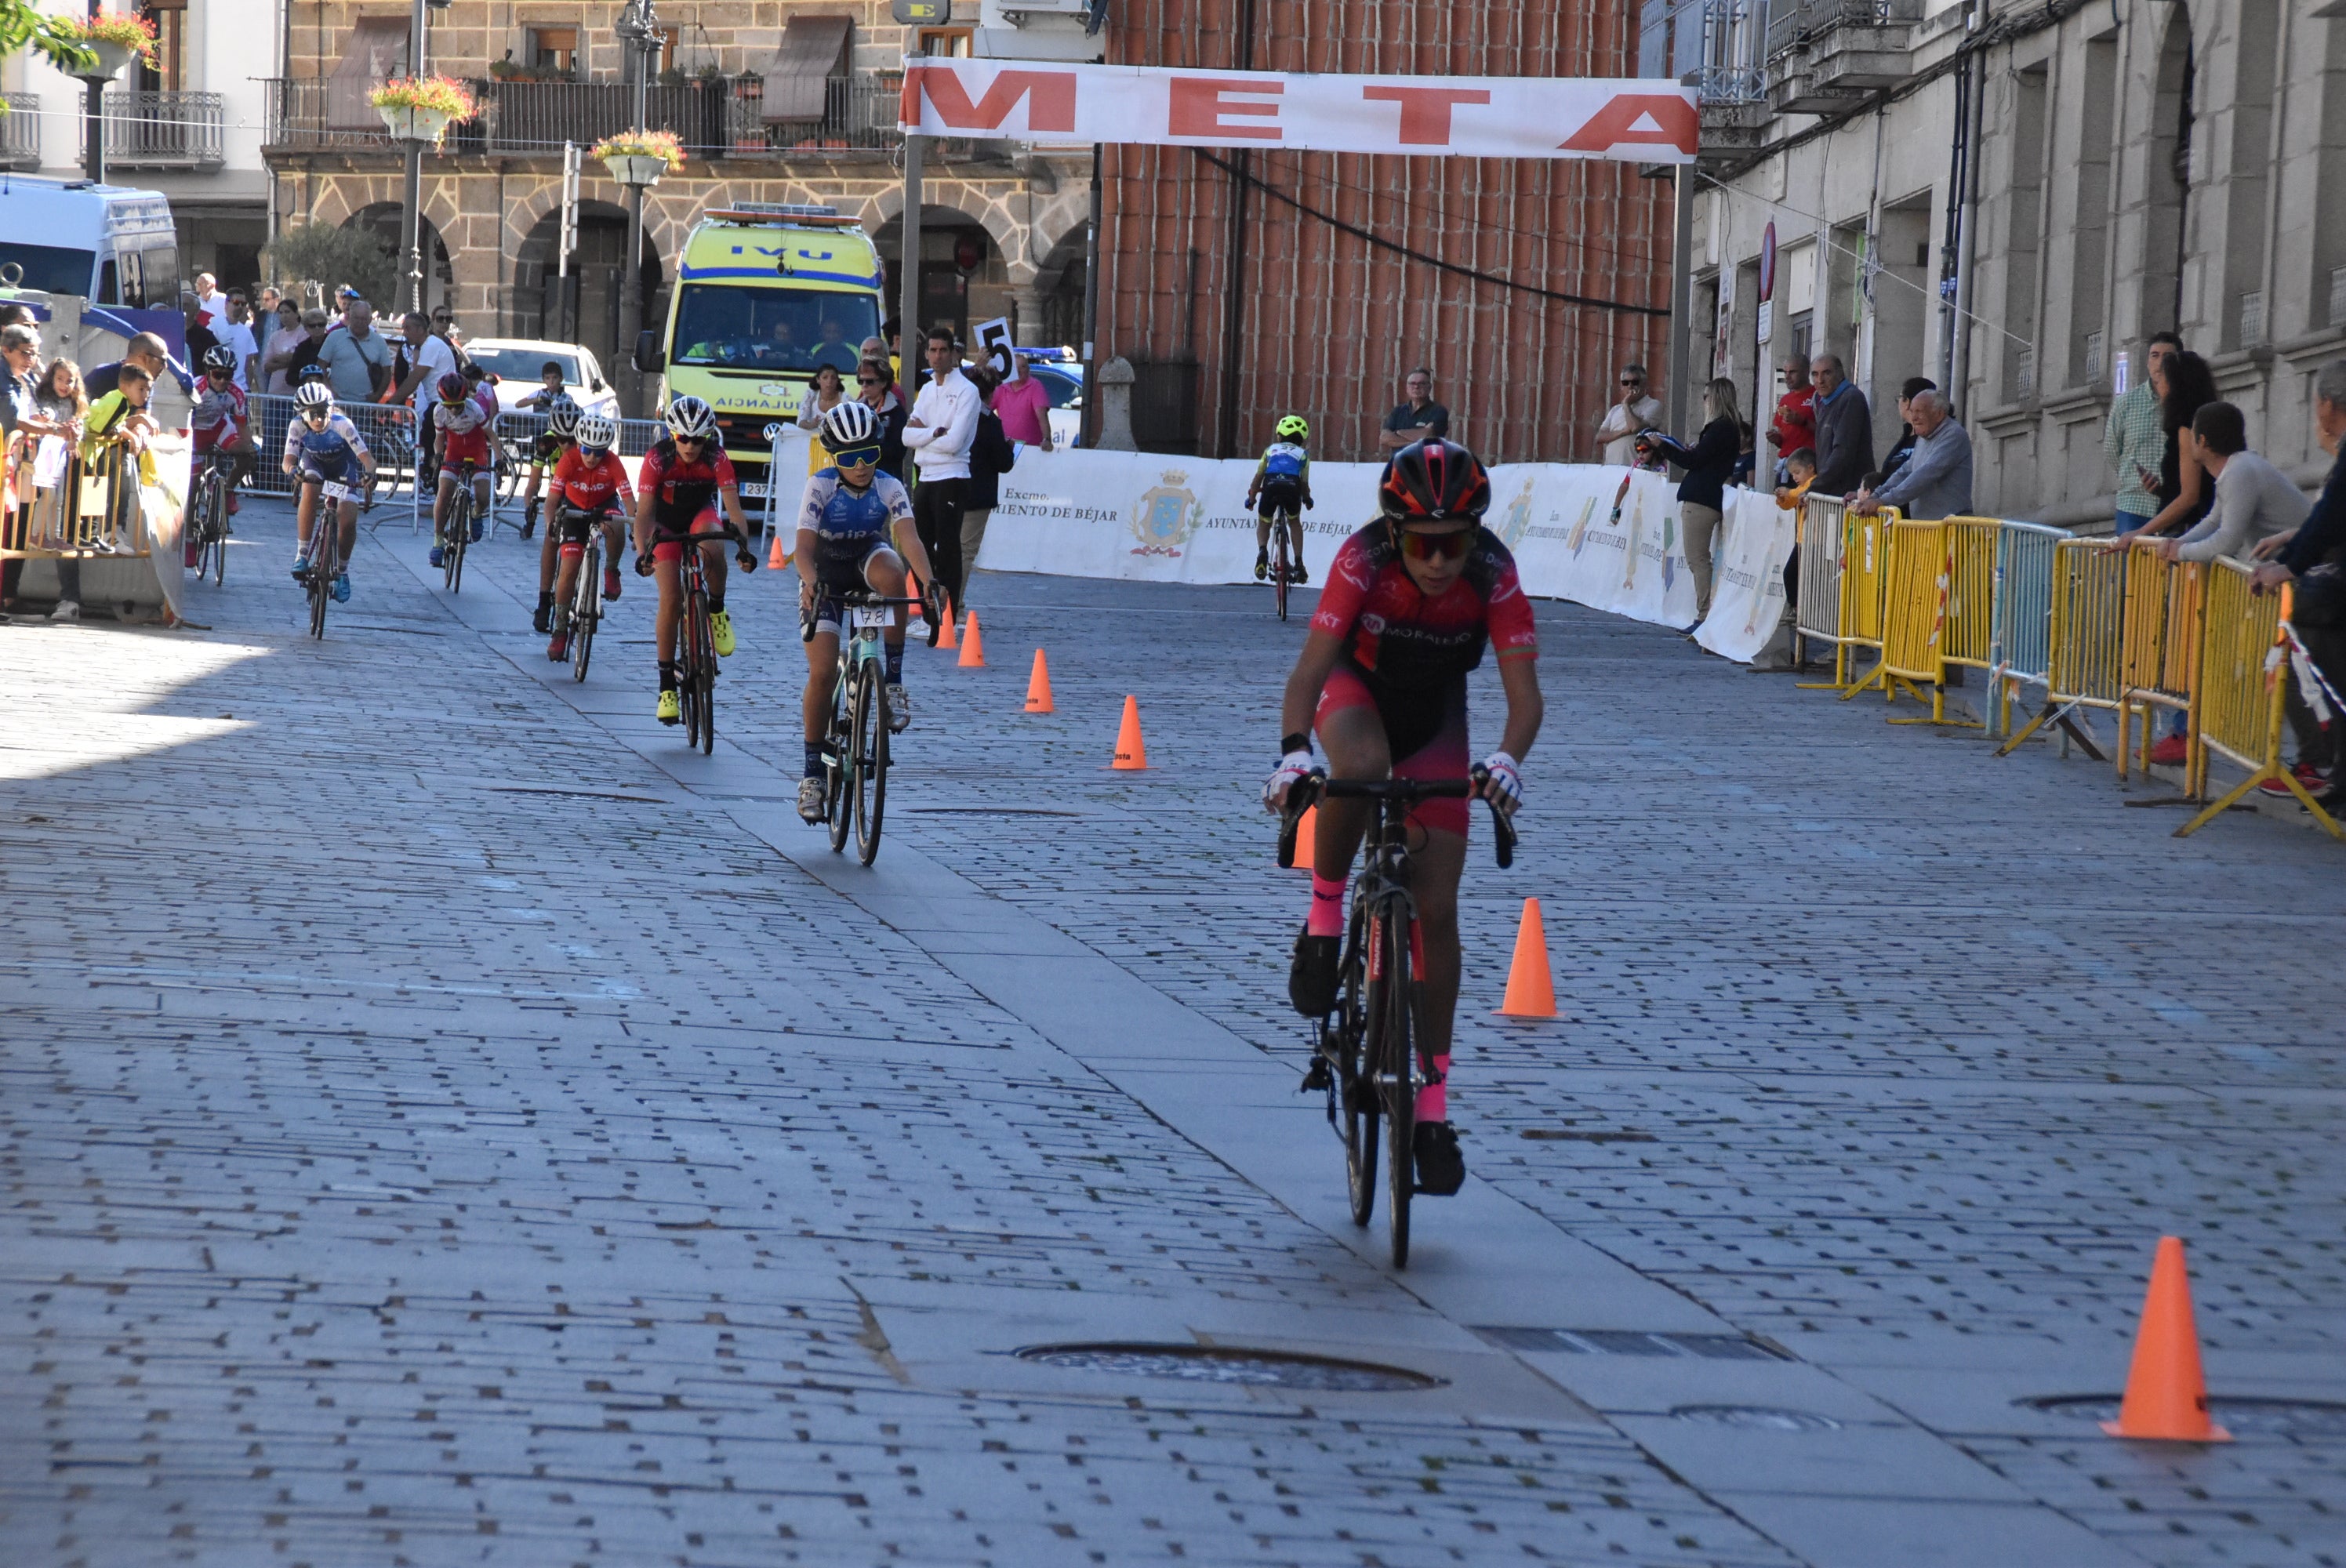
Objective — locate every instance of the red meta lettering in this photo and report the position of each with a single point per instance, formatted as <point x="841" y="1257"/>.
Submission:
<point x="1050" y="99"/>
<point x="1425" y="111"/>
<point x="1198" y="107"/>
<point x="1655" y="120"/>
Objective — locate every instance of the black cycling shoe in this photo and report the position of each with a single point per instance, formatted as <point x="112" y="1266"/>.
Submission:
<point x="1317" y="1078"/>
<point x="1263" y="567"/>
<point x="1441" y="1168"/>
<point x="542" y="620"/>
<point x="1311" y="976"/>
<point x="1297" y="576"/>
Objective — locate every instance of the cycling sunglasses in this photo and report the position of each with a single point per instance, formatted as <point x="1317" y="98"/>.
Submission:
<point x="857" y="456"/>
<point x="1435" y="547"/>
<point x="690" y="440"/>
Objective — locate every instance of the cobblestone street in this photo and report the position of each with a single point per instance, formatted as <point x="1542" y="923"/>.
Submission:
<point x="446" y="1121"/>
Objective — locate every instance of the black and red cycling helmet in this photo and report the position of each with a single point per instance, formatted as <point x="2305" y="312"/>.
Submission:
<point x="1432" y="479"/>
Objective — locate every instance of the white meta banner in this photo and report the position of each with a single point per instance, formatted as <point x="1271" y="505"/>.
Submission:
<point x="1626" y="118"/>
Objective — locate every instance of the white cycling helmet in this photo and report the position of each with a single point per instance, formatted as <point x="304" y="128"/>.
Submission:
<point x="597" y="431"/>
<point x="850" y="425"/>
<point x="314" y="394"/>
<point x="688" y="416"/>
<point x="562" y="415"/>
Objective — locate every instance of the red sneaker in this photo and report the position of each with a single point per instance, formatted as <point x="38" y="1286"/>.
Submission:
<point x="2315" y="781"/>
<point x="2172" y="752"/>
<point x="232" y="504"/>
<point x="610" y="582"/>
<point x="559" y="648"/>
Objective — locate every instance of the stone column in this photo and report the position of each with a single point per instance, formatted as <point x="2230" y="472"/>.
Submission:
<point x="1027" y="314"/>
<point x="1116" y="406"/>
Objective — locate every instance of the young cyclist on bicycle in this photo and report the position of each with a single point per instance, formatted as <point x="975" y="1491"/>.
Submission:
<point x="547" y="449"/>
<point x="1284" y="480"/>
<point x="684" y="478"/>
<point x="324" y="447"/>
<point x="1410" y="602"/>
<point x="545" y="455"/>
<point x="590" y="487"/>
<point x="460" y="429"/>
<point x="221" y="422"/>
<point x="847" y="516"/>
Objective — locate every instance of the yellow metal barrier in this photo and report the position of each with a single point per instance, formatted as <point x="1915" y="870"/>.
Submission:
<point x="2159" y="649"/>
<point x="1917" y="574"/>
<point x="2088" y="606"/>
<point x="2236" y="710"/>
<point x="1861" y="580"/>
<point x="1968" y="636"/>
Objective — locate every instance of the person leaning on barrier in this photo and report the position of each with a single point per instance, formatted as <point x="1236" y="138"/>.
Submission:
<point x="2313" y="558"/>
<point x="1904" y="447"/>
<point x="1936" y="480"/>
<point x="146" y="351"/>
<point x="2254" y="500"/>
<point x="1844" y="429"/>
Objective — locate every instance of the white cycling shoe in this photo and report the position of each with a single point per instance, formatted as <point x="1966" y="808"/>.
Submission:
<point x="810" y="799"/>
<point x="900" y="709"/>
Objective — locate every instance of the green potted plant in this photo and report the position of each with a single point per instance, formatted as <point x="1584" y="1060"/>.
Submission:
<point x="640" y="156"/>
<point x="115" y="38"/>
<point x="419" y="108"/>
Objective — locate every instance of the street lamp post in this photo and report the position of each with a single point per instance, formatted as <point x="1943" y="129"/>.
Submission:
<point x="638" y="29"/>
<point x="411" y="237"/>
<point x="111" y="59"/>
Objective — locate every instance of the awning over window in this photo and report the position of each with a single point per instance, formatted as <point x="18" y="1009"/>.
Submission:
<point x="814" y="50"/>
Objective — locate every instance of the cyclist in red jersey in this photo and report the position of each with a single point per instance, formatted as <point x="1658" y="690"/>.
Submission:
<point x="684" y="479"/>
<point x="1410" y="602"/>
<point x="460" y="426"/>
<point x="222" y="421"/>
<point x="590" y="487"/>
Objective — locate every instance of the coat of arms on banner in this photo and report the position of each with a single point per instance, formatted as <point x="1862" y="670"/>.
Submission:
<point x="1517" y="517"/>
<point x="1167" y="515"/>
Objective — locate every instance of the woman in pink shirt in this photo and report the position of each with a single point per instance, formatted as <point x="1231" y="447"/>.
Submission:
<point x="1025" y="408"/>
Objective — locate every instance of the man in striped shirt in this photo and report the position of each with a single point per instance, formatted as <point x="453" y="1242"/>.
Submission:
<point x="2135" y="438"/>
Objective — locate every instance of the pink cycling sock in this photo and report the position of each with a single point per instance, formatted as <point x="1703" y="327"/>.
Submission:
<point x="1327" y="916"/>
<point x="1433" y="1100"/>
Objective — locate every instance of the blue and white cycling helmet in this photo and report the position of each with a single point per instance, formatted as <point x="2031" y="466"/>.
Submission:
<point x="597" y="431"/>
<point x="850" y="425"/>
<point x="314" y="394"/>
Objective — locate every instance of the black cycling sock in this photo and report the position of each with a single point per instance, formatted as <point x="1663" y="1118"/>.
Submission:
<point x="814" y="759"/>
<point x="667" y="675"/>
<point x="894" y="653"/>
<point x="716" y="604"/>
<point x="546" y="598"/>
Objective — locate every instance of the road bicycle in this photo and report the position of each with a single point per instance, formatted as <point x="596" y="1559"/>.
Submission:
<point x="1281" y="574"/>
<point x="695" y="638"/>
<point x="855" y="743"/>
<point x="459" y="528"/>
<point x="326" y="560"/>
<point x="1366" y="1056"/>
<point x="208" y="514"/>
<point x="585" y="612"/>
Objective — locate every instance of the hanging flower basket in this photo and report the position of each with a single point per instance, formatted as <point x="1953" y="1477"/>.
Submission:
<point x="115" y="38"/>
<point x="640" y="157"/>
<point x="420" y="108"/>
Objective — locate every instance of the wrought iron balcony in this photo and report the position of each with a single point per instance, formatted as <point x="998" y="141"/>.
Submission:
<point x="20" y="131"/>
<point x="1824" y="56"/>
<point x="163" y="131"/>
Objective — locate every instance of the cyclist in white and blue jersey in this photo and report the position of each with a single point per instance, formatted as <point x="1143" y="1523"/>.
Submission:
<point x="1284" y="482"/>
<point x="324" y="447"/>
<point x="848" y="516"/>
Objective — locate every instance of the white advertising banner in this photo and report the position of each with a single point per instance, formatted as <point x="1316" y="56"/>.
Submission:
<point x="1626" y="118"/>
<point x="1578" y="531"/>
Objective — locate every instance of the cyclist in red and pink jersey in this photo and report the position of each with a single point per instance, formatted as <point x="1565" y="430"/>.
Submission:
<point x="1410" y="602"/>
<point x="684" y="479"/>
<point x="221" y="421"/>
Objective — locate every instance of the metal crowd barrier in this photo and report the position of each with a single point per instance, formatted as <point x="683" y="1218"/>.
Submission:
<point x="2021" y="642"/>
<point x="2236" y="708"/>
<point x="1817" y="616"/>
<point x="1857" y="619"/>
<point x="2088" y="593"/>
<point x="1973" y="546"/>
<point x="86" y="509"/>
<point x="1913" y="613"/>
<point x="2158" y="649"/>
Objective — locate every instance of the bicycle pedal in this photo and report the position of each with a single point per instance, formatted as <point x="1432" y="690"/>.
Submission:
<point x="1316" y="1078"/>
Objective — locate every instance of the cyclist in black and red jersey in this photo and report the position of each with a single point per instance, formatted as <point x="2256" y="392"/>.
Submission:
<point x="1410" y="602"/>
<point x="684" y="479"/>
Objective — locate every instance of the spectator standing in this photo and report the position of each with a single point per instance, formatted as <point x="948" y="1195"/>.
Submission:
<point x="2314" y="559"/>
<point x="357" y="357"/>
<point x="824" y="392"/>
<point x="201" y="339"/>
<point x="277" y="365"/>
<point x="876" y="385"/>
<point x="209" y="299"/>
<point x="2185" y="386"/>
<point x="1844" y="429"/>
<point x="2253" y="501"/>
<point x="1794" y="426"/>
<point x="146" y="351"/>
<point x="21" y="421"/>
<point x="1023" y="404"/>
<point x="1904" y="445"/>
<point x="2133" y="438"/>
<point x="991" y="456"/>
<point x="270" y="299"/>
<point x="119" y="419"/>
<point x="943" y="424"/>
<point x="1415" y="419"/>
<point x="1709" y="464"/>
<point x="1935" y="479"/>
<point x="428" y="358"/>
<point x="236" y="333"/>
<point x="1633" y="411"/>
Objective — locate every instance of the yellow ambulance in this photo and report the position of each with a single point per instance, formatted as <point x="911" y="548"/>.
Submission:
<point x="766" y="294"/>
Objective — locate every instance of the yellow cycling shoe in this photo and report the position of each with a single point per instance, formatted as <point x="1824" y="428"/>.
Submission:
<point x="671" y="707"/>
<point x="720" y="632"/>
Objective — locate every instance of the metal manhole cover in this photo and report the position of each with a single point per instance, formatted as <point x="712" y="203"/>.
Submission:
<point x="1757" y="1417"/>
<point x="2244" y="1416"/>
<point x="1233" y="1364"/>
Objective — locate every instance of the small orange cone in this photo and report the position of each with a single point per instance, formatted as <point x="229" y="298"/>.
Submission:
<point x="1307" y="842"/>
<point x="945" y="632"/>
<point x="1531" y="985"/>
<point x="972" y="645"/>
<point x="775" y="559"/>
<point x="1038" y="687"/>
<point x="1130" y="754"/>
<point x="2166" y="1394"/>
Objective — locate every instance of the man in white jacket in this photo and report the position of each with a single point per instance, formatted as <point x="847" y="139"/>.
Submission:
<point x="943" y="424"/>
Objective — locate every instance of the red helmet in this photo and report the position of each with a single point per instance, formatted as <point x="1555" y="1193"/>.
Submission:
<point x="453" y="388"/>
<point x="1433" y="479"/>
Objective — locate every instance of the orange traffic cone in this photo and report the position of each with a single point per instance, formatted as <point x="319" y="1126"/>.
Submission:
<point x="2166" y="1395"/>
<point x="972" y="645"/>
<point x="945" y="632"/>
<point x="1130" y="754"/>
<point x="1038" y="687"/>
<point x="1531" y="985"/>
<point x="1307" y="829"/>
<point x="775" y="559"/>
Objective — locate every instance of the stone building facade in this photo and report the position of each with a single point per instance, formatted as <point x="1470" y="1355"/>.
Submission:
<point x="1003" y="224"/>
<point x="2009" y="197"/>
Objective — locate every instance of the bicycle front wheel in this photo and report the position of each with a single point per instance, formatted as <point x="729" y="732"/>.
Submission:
<point x="217" y="531"/>
<point x="460" y="530"/>
<point x="868" y="736"/>
<point x="1357" y="1091"/>
<point x="321" y="583"/>
<point x="1278" y="565"/>
<point x="585" y="608"/>
<point x="838" y="770"/>
<point x="1387" y="1047"/>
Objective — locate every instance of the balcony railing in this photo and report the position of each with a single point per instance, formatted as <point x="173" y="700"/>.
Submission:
<point x="20" y="131"/>
<point x="163" y="131"/>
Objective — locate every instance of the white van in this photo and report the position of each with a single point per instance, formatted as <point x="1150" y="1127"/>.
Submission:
<point x="106" y="243"/>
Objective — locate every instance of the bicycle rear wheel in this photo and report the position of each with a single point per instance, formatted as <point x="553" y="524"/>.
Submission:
<point x="585" y="606"/>
<point x="217" y="534"/>
<point x="694" y="685"/>
<point x="837" y="773"/>
<point x="1279" y="563"/>
<point x="460" y="531"/>
<point x="1387" y="1047"/>
<point x="321" y="582"/>
<point x="870" y="738"/>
